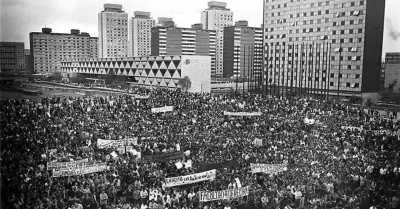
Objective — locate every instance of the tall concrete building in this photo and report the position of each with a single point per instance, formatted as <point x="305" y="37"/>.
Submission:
<point x="392" y="58"/>
<point x="28" y="60"/>
<point x="216" y="17"/>
<point x="183" y="41"/>
<point x="12" y="56"/>
<point x="322" y="47"/>
<point x="140" y="34"/>
<point x="242" y="51"/>
<point x="94" y="47"/>
<point x="165" y="22"/>
<point x="113" y="32"/>
<point x="48" y="49"/>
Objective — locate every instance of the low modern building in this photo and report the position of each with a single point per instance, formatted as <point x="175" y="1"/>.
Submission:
<point x="242" y="51"/>
<point x="12" y="56"/>
<point x="392" y="76"/>
<point x="392" y="58"/>
<point x="183" y="41"/>
<point x="149" y="72"/>
<point x="47" y="48"/>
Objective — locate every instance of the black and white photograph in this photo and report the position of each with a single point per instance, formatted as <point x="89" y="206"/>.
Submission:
<point x="200" y="104"/>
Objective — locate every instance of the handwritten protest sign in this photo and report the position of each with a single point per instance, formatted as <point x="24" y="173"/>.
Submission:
<point x="190" y="179"/>
<point x="81" y="170"/>
<point x="67" y="165"/>
<point x="248" y="114"/>
<point x="268" y="168"/>
<point x="162" y="109"/>
<point x="229" y="194"/>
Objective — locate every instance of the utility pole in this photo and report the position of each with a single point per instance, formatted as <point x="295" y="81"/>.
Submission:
<point x="340" y="63"/>
<point x="244" y="68"/>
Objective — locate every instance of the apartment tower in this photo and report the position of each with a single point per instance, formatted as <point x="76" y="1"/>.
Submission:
<point x="140" y="34"/>
<point x="183" y="41"/>
<point x="216" y="17"/>
<point x="323" y="47"/>
<point x="242" y="51"/>
<point x="113" y="32"/>
<point x="47" y="49"/>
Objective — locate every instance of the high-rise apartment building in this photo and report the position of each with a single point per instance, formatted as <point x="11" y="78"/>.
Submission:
<point x="242" y="51"/>
<point x="165" y="22"/>
<point x="183" y="41"/>
<point x="48" y="49"/>
<point x="216" y="17"/>
<point x="392" y="58"/>
<point x="94" y="47"/>
<point x="28" y="59"/>
<point x="140" y="34"/>
<point x="12" y="56"/>
<point x="113" y="32"/>
<point x="323" y="46"/>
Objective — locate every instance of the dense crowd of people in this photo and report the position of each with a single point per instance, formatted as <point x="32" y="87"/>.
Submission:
<point x="337" y="156"/>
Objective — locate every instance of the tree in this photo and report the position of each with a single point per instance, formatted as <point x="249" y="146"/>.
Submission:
<point x="391" y="86"/>
<point x="56" y="76"/>
<point x="78" y="78"/>
<point x="110" y="77"/>
<point x="185" y="83"/>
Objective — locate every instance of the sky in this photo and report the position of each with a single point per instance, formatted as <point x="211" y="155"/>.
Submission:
<point x="20" y="17"/>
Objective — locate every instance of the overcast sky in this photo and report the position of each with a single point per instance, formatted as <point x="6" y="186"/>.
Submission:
<point x="20" y="17"/>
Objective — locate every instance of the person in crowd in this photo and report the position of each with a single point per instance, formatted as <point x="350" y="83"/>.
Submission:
<point x="335" y="155"/>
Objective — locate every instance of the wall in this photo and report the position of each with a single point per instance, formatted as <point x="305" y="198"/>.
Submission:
<point x="373" y="45"/>
<point x="392" y="73"/>
<point x="197" y="68"/>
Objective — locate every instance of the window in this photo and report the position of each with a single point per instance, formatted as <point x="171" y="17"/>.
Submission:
<point x="331" y="83"/>
<point x="361" y="2"/>
<point x="360" y="30"/>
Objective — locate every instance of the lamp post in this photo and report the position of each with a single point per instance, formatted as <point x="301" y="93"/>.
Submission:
<point x="340" y="63"/>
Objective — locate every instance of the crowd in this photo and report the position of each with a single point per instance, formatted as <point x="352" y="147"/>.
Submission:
<point x="337" y="156"/>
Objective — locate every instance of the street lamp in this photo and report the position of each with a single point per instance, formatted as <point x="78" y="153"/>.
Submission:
<point x="340" y="63"/>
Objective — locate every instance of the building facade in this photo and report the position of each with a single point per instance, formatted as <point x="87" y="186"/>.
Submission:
<point x="28" y="60"/>
<point x="183" y="41"/>
<point x="94" y="47"/>
<point x="140" y="34"/>
<point x="392" y="58"/>
<point x="216" y="17"/>
<point x="323" y="46"/>
<point x="47" y="48"/>
<point x="149" y="72"/>
<point x="392" y="76"/>
<point x="113" y="32"/>
<point x="165" y="22"/>
<point x="242" y="51"/>
<point x="12" y="56"/>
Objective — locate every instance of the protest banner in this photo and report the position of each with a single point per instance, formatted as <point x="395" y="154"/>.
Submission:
<point x="190" y="179"/>
<point x="163" y="157"/>
<point x="229" y="194"/>
<point x="309" y="121"/>
<point x="268" y="168"/>
<point x="249" y="114"/>
<point x="209" y="166"/>
<point x="351" y="128"/>
<point x="257" y="142"/>
<point x="103" y="144"/>
<point x="81" y="170"/>
<point x="162" y="109"/>
<point x="137" y="96"/>
<point x="65" y="165"/>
